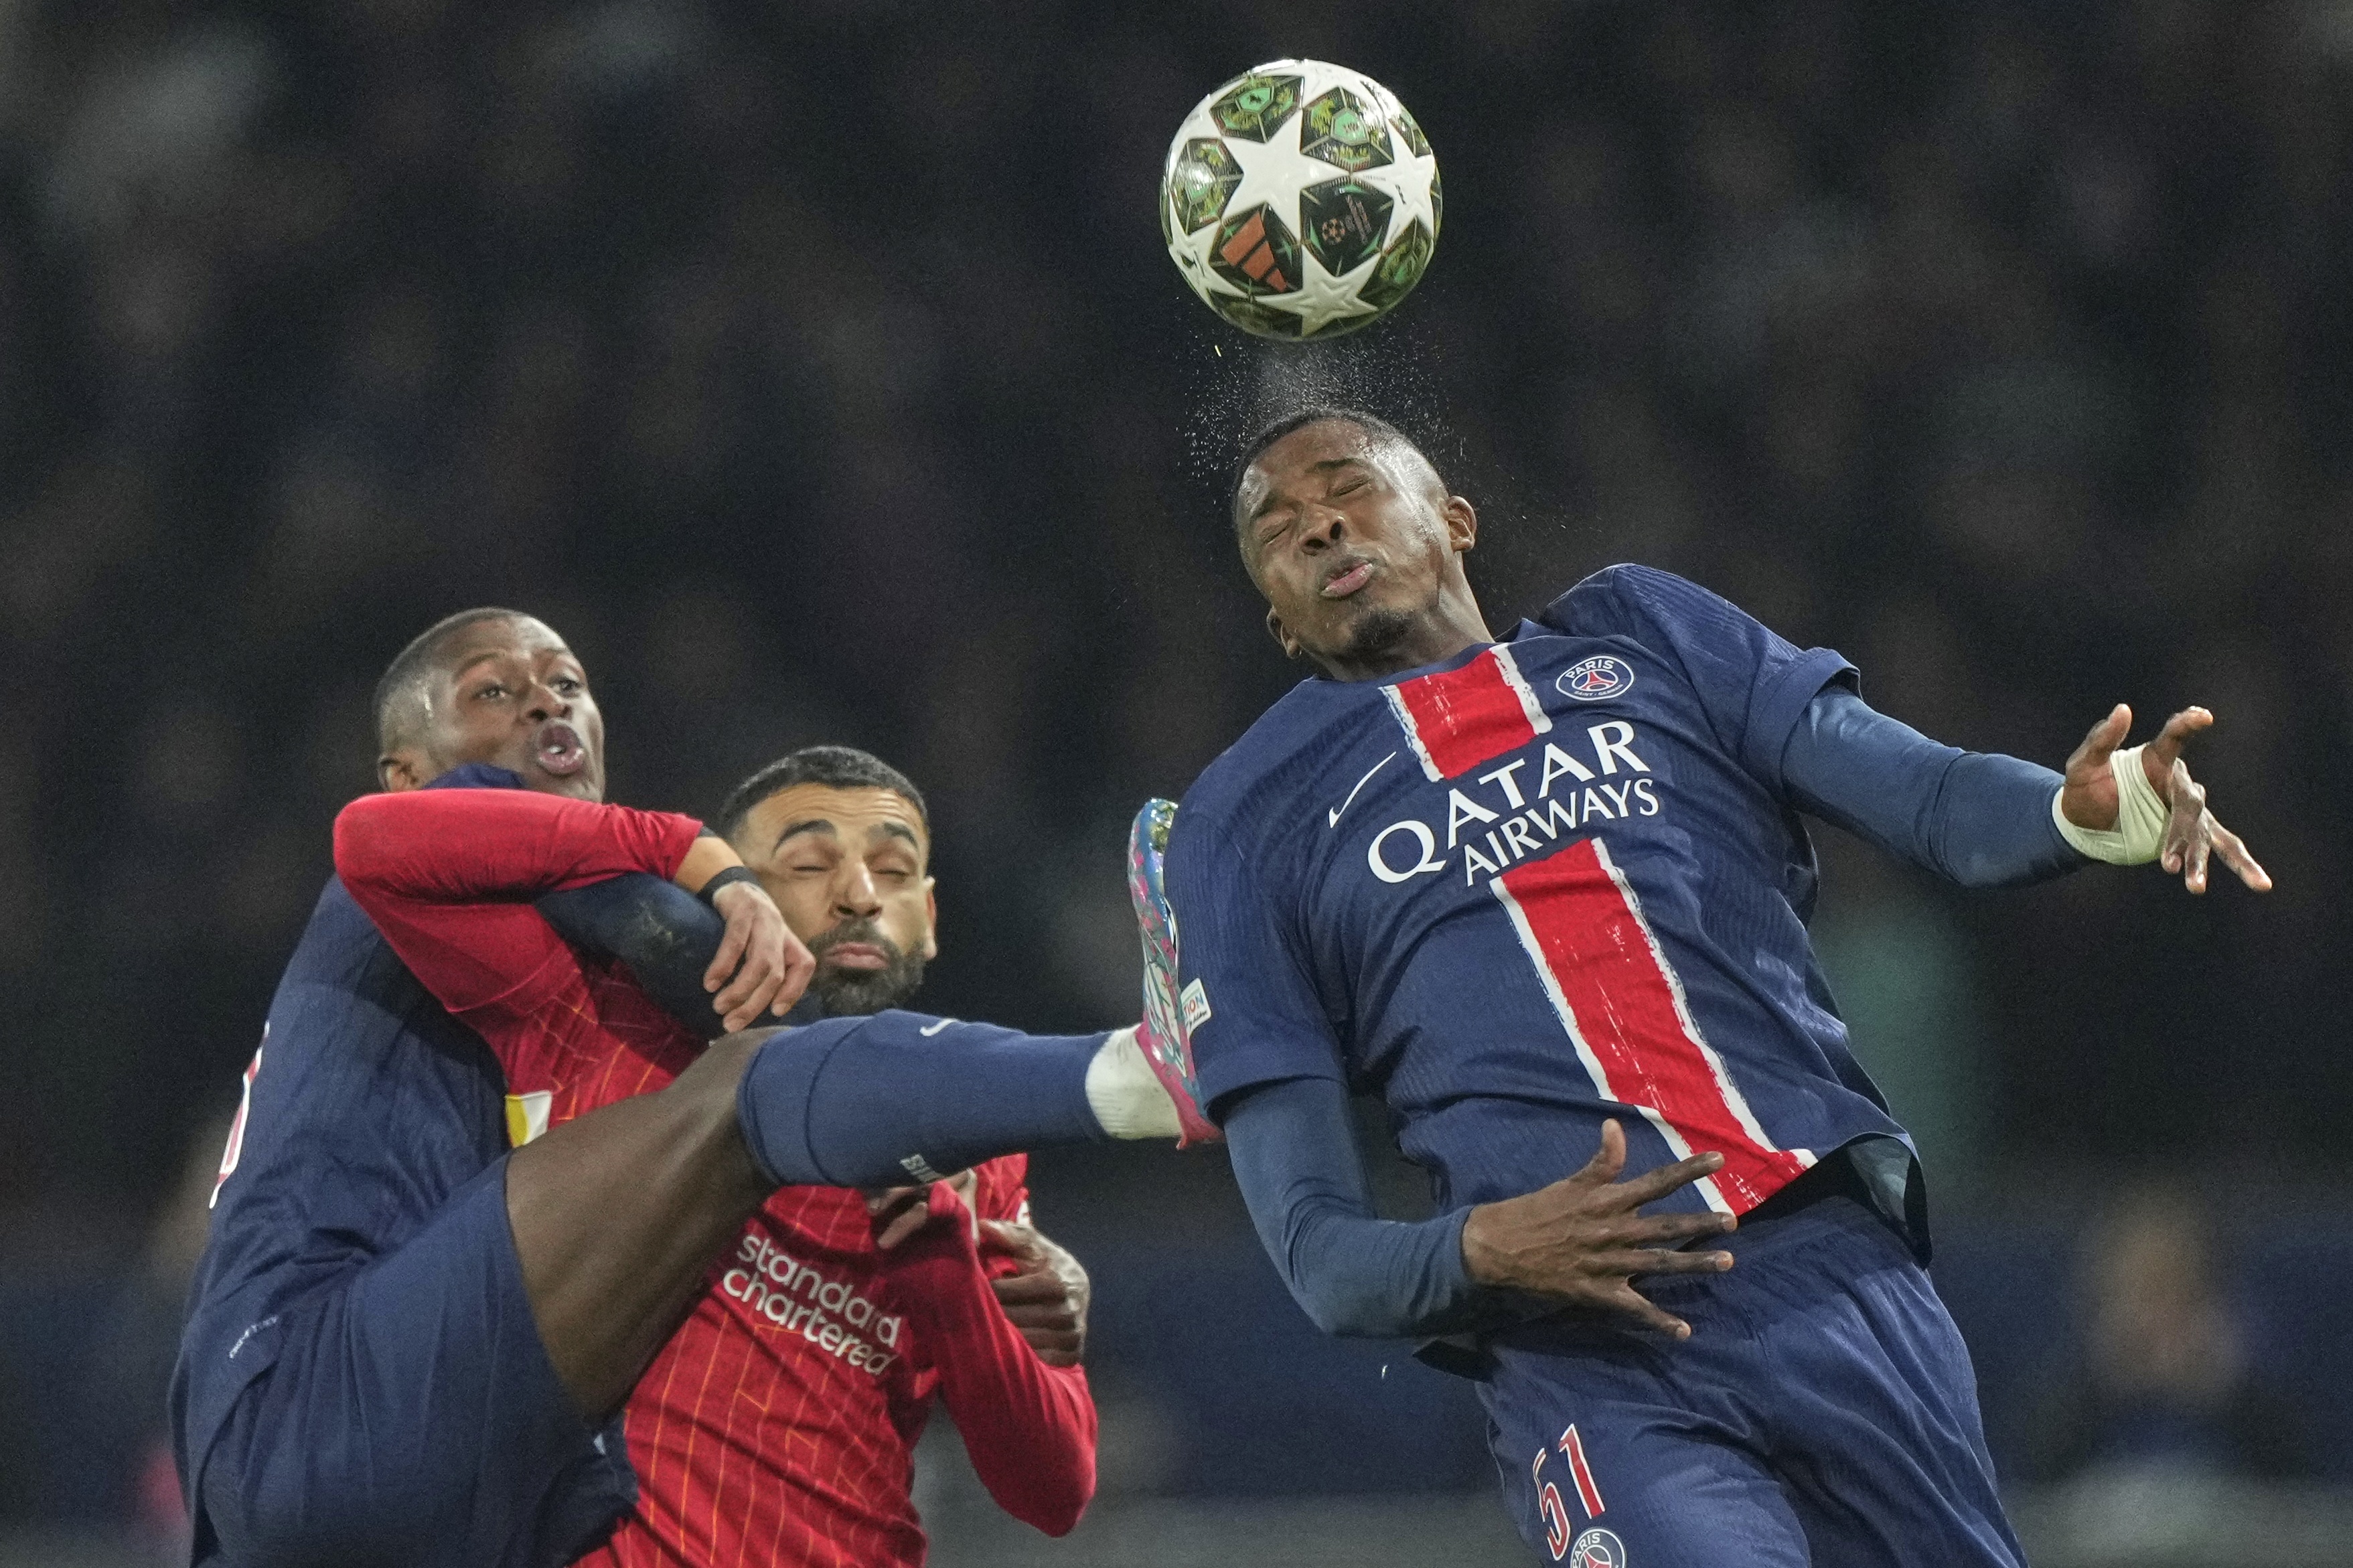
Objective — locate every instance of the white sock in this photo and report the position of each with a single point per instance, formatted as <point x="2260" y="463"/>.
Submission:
<point x="1123" y="1093"/>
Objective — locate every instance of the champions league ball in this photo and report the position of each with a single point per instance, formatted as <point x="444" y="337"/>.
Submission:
<point x="1300" y="200"/>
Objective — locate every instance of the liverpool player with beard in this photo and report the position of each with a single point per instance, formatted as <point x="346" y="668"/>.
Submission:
<point x="777" y="1424"/>
<point x="841" y="841"/>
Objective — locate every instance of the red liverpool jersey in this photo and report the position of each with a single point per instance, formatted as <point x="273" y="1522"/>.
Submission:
<point x="777" y="1424"/>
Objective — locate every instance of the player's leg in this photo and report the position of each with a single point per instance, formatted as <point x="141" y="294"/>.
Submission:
<point x="1874" y="1415"/>
<point x="871" y="1101"/>
<point x="404" y="1412"/>
<point x="1608" y="1460"/>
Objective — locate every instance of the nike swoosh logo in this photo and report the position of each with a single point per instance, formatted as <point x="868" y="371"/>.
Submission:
<point x="935" y="1029"/>
<point x="1361" y="783"/>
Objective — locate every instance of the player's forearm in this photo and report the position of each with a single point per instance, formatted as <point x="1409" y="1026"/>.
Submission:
<point x="465" y="846"/>
<point x="1029" y="1427"/>
<point x="1980" y="819"/>
<point x="665" y="934"/>
<point x="1295" y="1158"/>
<point x="617" y="1215"/>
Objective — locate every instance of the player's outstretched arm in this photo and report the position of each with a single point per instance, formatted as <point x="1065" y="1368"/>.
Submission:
<point x="2139" y="805"/>
<point x="1985" y="820"/>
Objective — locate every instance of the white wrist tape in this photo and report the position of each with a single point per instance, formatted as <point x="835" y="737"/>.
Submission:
<point x="2141" y="814"/>
<point x="1124" y="1095"/>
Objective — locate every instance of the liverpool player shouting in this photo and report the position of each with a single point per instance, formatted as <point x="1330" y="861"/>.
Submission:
<point x="1549" y="893"/>
<point x="402" y="1339"/>
<point x="777" y="1424"/>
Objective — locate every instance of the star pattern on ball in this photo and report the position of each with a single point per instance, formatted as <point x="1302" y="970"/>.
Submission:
<point x="1272" y="171"/>
<point x="1323" y="298"/>
<point x="1422" y="174"/>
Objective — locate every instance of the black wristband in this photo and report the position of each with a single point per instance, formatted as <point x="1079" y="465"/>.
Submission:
<point x="708" y="892"/>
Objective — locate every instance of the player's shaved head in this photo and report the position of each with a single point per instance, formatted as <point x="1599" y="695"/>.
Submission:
<point x="1379" y="434"/>
<point x="403" y="702"/>
<point x="490" y="685"/>
<point x="1348" y="531"/>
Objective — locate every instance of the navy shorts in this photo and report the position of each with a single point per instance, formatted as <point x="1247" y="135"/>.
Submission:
<point x="1823" y="1412"/>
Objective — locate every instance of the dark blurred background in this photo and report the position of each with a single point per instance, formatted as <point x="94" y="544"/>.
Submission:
<point x="817" y="370"/>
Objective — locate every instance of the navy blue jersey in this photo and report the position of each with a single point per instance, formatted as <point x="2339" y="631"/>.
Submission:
<point x="360" y="1379"/>
<point x="1544" y="883"/>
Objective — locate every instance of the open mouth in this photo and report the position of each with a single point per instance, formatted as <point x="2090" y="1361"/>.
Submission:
<point x="558" y="750"/>
<point x="1349" y="581"/>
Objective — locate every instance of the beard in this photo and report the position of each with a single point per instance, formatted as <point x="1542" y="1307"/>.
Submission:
<point x="1378" y="631"/>
<point x="852" y="993"/>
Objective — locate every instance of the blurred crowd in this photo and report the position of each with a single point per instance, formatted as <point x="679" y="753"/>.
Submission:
<point x="815" y="369"/>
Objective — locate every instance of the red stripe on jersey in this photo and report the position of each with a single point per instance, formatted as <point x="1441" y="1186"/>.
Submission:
<point x="234" y="1151"/>
<point x="1461" y="718"/>
<point x="1587" y="1492"/>
<point x="1623" y="1005"/>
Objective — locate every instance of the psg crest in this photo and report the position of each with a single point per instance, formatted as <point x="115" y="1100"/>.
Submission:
<point x="1595" y="679"/>
<point x="1597" y="1548"/>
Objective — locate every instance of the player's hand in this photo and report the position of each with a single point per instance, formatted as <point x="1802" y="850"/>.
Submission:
<point x="1047" y="1299"/>
<point x="898" y="1213"/>
<point x="2192" y="835"/>
<point x="760" y="965"/>
<point x="1581" y="1242"/>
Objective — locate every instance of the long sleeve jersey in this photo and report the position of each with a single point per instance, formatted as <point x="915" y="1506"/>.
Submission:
<point x="1549" y="882"/>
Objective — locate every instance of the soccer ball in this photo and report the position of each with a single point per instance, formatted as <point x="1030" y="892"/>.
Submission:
<point x="1300" y="200"/>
